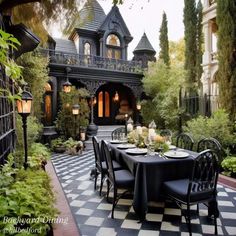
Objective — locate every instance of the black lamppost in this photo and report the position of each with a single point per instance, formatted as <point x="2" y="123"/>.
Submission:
<point x="67" y="85"/>
<point x="92" y="128"/>
<point x="138" y="107"/>
<point x="75" y="112"/>
<point x="24" y="109"/>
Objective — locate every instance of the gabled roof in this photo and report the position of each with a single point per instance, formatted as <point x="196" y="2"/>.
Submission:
<point x="91" y="16"/>
<point x="144" y="45"/>
<point x="114" y="21"/>
<point x="64" y="45"/>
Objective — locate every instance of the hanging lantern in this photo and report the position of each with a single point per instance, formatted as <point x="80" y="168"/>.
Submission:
<point x="116" y="97"/>
<point x="67" y="85"/>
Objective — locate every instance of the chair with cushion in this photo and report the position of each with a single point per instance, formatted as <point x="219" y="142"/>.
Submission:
<point x="100" y="164"/>
<point x="210" y="143"/>
<point x="184" y="141"/>
<point x="118" y="133"/>
<point x="199" y="188"/>
<point x="120" y="179"/>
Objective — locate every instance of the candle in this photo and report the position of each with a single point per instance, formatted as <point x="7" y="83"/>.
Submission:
<point x="129" y="127"/>
<point x="139" y="130"/>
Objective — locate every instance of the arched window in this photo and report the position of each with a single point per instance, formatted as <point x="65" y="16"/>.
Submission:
<point x="48" y="87"/>
<point x="103" y="104"/>
<point x="113" y="40"/>
<point x="48" y="104"/>
<point x="87" y="49"/>
<point x="113" y="46"/>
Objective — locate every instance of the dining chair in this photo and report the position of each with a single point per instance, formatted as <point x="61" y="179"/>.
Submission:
<point x="199" y="188"/>
<point x="184" y="141"/>
<point x="117" y="133"/>
<point x="210" y="143"/>
<point x="100" y="164"/>
<point x="120" y="179"/>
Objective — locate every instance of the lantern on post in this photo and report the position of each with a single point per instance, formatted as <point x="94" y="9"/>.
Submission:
<point x="24" y="108"/>
<point x="67" y="85"/>
<point x="75" y="112"/>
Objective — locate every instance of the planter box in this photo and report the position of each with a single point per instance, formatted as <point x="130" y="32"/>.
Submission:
<point x="227" y="181"/>
<point x="59" y="149"/>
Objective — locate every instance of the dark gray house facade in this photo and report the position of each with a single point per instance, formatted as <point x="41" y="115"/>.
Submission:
<point x="95" y="57"/>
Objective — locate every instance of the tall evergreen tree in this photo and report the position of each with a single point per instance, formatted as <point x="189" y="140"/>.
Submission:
<point x="164" y="43"/>
<point x="226" y="21"/>
<point x="190" y="22"/>
<point x="199" y="42"/>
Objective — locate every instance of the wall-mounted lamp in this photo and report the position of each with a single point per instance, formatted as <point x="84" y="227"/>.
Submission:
<point x="67" y="85"/>
<point x="116" y="97"/>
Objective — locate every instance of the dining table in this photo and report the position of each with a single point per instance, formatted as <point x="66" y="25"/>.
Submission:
<point x="150" y="171"/>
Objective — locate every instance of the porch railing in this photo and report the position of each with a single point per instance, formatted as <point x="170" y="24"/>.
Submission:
<point x="92" y="61"/>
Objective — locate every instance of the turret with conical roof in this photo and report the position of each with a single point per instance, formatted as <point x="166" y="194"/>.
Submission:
<point x="144" y="51"/>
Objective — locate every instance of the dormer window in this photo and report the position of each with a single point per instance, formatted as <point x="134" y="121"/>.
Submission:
<point x="87" y="49"/>
<point x="113" y="46"/>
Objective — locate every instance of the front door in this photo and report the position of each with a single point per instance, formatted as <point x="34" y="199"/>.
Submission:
<point x="103" y="108"/>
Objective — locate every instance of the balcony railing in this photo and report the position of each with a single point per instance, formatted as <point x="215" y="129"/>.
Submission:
<point x="211" y="2"/>
<point x="92" y="61"/>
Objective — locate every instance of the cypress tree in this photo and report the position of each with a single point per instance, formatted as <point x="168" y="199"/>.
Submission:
<point x="226" y="21"/>
<point x="199" y="42"/>
<point x="190" y="33"/>
<point x="164" y="43"/>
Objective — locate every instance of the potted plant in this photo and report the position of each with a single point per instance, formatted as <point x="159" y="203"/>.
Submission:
<point x="58" y="145"/>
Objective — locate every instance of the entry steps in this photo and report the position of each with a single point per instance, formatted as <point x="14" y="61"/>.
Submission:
<point x="104" y="132"/>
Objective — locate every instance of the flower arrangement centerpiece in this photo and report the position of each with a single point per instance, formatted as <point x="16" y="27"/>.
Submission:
<point x="160" y="144"/>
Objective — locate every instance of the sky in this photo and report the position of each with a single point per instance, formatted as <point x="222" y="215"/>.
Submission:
<point x="146" y="16"/>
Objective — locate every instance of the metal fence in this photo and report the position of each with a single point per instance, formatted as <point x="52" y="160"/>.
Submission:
<point x="200" y="105"/>
<point x="7" y="131"/>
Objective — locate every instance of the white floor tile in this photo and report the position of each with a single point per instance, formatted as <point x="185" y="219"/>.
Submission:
<point x="95" y="221"/>
<point x="167" y="226"/>
<point x="84" y="211"/>
<point x="148" y="233"/>
<point x="131" y="224"/>
<point x="154" y="217"/>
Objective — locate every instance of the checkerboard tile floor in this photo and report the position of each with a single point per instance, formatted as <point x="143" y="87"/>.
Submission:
<point x="92" y="212"/>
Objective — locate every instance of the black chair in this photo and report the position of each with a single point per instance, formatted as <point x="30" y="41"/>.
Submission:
<point x="184" y="141"/>
<point x="199" y="188"/>
<point x="210" y="143"/>
<point x="100" y="164"/>
<point x="120" y="179"/>
<point x="117" y="133"/>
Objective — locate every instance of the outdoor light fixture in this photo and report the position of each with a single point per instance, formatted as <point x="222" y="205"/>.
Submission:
<point x="94" y="100"/>
<point x="24" y="108"/>
<point x="67" y="85"/>
<point x="130" y="126"/>
<point x="116" y="97"/>
<point x="138" y="107"/>
<point x="75" y="112"/>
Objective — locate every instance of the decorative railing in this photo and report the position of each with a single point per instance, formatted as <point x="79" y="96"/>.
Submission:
<point x="92" y="61"/>
<point x="214" y="56"/>
<point x="211" y="2"/>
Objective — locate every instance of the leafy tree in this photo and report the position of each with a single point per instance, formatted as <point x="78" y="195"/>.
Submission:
<point x="226" y="21"/>
<point x="35" y="73"/>
<point x="190" y="33"/>
<point x="161" y="84"/>
<point x="65" y="120"/>
<point x="35" y="13"/>
<point x="176" y="50"/>
<point x="199" y="39"/>
<point x="164" y="43"/>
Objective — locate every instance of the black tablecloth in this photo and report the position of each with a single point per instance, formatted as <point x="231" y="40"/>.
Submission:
<point x="150" y="172"/>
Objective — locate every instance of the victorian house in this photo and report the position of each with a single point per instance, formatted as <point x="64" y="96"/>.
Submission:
<point x="95" y="57"/>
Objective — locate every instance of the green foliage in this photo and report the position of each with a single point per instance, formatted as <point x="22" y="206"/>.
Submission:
<point x="164" y="43"/>
<point x="226" y="44"/>
<point x="65" y="122"/>
<point x="38" y="156"/>
<point x="35" y="73"/>
<point x="162" y="85"/>
<point x="229" y="166"/>
<point x="199" y="41"/>
<point x="58" y="142"/>
<point x="73" y="146"/>
<point x="176" y="50"/>
<point x="218" y="126"/>
<point x="190" y="33"/>
<point x="34" y="130"/>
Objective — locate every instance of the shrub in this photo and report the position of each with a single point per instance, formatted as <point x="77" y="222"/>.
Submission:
<point x="218" y="126"/>
<point x="229" y="166"/>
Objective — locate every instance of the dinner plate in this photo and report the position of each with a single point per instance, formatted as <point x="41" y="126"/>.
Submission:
<point x="126" y="146"/>
<point x="116" y="141"/>
<point x="171" y="147"/>
<point x="176" y="154"/>
<point x="137" y="151"/>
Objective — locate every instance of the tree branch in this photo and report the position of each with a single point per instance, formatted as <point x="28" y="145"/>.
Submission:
<point x="7" y="4"/>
